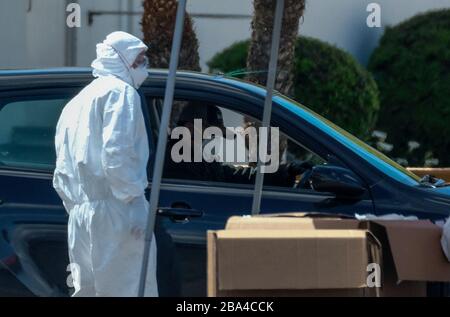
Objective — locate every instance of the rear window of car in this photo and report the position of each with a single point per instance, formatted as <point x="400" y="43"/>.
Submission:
<point x="27" y="132"/>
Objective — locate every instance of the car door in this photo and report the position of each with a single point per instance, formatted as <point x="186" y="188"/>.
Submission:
<point x="33" y="222"/>
<point x="200" y="204"/>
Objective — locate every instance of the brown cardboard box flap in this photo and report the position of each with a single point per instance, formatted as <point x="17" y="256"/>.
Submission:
<point x="291" y="259"/>
<point x="416" y="250"/>
<point x="294" y="221"/>
<point x="304" y="214"/>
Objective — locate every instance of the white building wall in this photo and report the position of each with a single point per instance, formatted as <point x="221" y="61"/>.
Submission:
<point x="38" y="38"/>
<point x="32" y="36"/>
<point x="343" y="22"/>
<point x="89" y="35"/>
<point x="13" y="46"/>
<point x="340" y="22"/>
<point x="45" y="33"/>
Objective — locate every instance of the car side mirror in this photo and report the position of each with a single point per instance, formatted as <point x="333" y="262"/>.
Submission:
<point x="337" y="180"/>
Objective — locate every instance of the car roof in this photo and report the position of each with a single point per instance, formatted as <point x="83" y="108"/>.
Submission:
<point x="82" y="71"/>
<point x="43" y="71"/>
<point x="11" y="78"/>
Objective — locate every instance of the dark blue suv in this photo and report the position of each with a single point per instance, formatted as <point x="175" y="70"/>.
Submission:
<point x="345" y="176"/>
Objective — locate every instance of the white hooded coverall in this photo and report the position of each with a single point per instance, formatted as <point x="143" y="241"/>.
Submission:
<point x="100" y="175"/>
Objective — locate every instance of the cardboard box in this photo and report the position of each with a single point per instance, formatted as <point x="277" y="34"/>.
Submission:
<point x="443" y="173"/>
<point x="296" y="255"/>
<point x="412" y="256"/>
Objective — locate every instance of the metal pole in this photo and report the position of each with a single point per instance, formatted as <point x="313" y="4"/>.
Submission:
<point x="130" y="19"/>
<point x="70" y="41"/>
<point x="162" y="140"/>
<point x="276" y="33"/>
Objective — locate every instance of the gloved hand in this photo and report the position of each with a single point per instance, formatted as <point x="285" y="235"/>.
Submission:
<point x="138" y="218"/>
<point x="138" y="232"/>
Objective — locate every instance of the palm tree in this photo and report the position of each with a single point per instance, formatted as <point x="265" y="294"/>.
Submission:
<point x="259" y="52"/>
<point x="158" y="23"/>
<point x="260" y="45"/>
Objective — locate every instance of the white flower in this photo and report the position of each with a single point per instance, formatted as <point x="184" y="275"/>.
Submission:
<point x="402" y="161"/>
<point x="380" y="135"/>
<point x="432" y="162"/>
<point x="412" y="145"/>
<point x="385" y="147"/>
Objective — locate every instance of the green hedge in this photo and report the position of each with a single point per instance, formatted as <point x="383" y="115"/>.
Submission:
<point x="327" y="80"/>
<point x="231" y="59"/>
<point x="412" y="69"/>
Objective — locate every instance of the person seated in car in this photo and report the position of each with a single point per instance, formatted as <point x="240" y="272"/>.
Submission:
<point x="211" y="116"/>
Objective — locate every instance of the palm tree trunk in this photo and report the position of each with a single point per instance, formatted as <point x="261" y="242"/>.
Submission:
<point x="259" y="52"/>
<point x="158" y="24"/>
<point x="260" y="45"/>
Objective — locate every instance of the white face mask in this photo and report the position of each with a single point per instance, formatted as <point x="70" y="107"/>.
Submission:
<point x="138" y="75"/>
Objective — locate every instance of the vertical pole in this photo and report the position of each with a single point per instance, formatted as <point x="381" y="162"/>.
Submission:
<point x="130" y="17"/>
<point x="162" y="140"/>
<point x="276" y="33"/>
<point x="70" y="37"/>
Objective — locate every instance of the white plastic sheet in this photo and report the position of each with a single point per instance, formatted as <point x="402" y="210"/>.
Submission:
<point x="385" y="217"/>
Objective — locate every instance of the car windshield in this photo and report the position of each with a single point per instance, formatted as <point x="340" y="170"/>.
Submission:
<point x="371" y="155"/>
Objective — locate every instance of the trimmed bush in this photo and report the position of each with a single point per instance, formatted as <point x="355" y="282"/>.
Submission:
<point x="231" y="59"/>
<point x="412" y="69"/>
<point x="326" y="79"/>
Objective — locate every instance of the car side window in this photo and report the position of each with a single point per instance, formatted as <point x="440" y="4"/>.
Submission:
<point x="27" y="132"/>
<point x="231" y="171"/>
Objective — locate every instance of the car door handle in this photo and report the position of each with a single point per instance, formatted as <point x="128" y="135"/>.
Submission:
<point x="179" y="214"/>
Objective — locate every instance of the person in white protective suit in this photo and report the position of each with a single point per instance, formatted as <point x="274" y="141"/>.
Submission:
<point x="100" y="175"/>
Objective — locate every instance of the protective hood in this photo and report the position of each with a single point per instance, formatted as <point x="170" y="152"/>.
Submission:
<point x="116" y="54"/>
